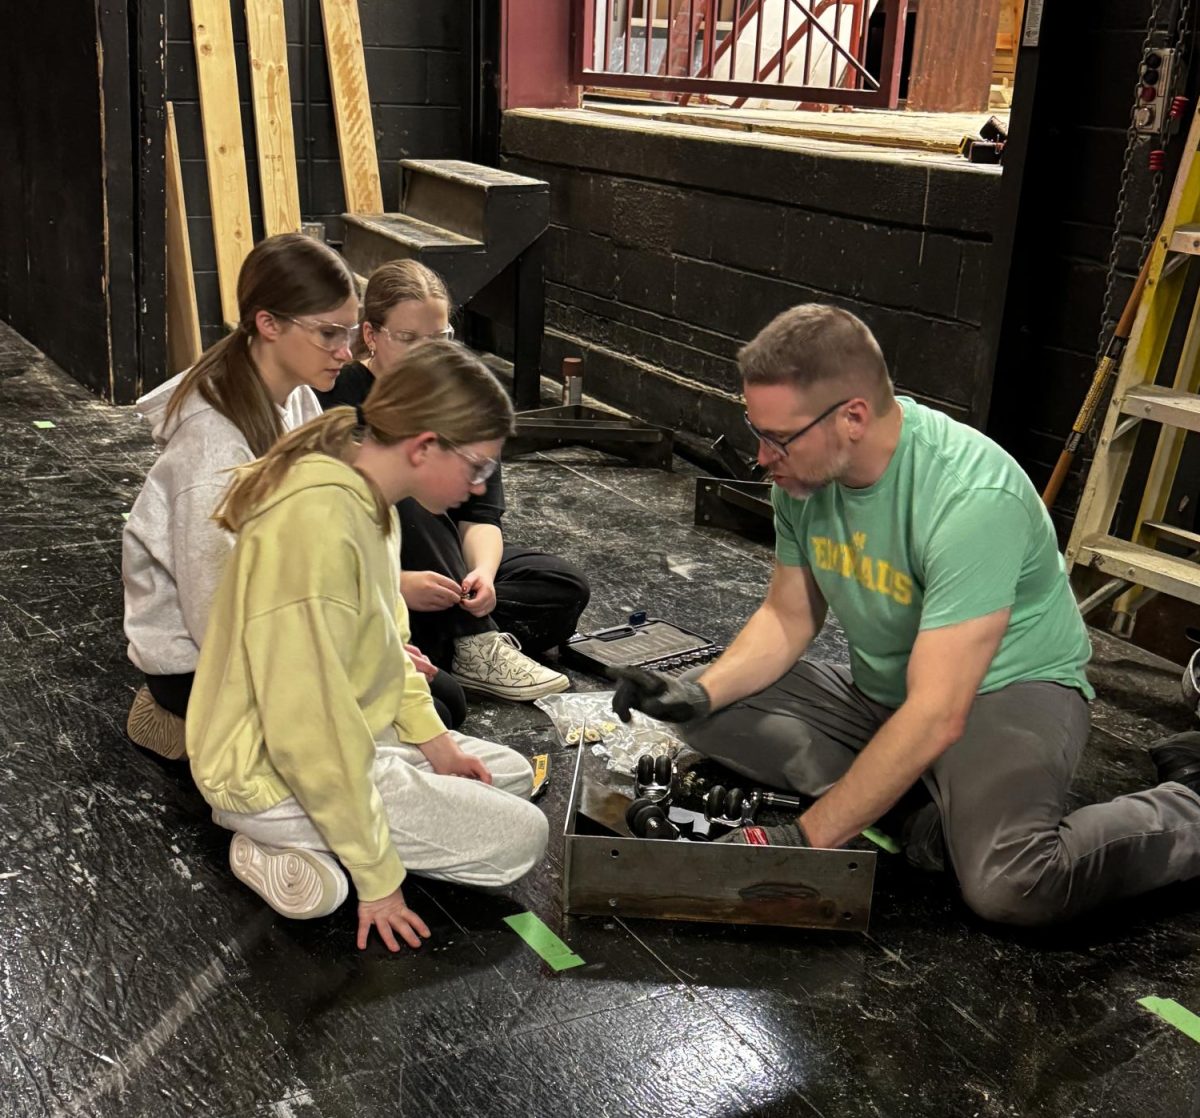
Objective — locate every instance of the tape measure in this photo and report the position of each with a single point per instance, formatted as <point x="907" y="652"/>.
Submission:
<point x="541" y="773"/>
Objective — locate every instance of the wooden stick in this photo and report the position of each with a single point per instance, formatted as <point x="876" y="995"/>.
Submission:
<point x="224" y="149"/>
<point x="183" y="317"/>
<point x="267" y="41"/>
<point x="1105" y="371"/>
<point x="352" y="106"/>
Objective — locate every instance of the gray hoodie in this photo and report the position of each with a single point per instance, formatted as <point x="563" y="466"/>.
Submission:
<point x="172" y="552"/>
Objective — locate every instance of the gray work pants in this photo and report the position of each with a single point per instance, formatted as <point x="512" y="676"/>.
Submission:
<point x="1001" y="791"/>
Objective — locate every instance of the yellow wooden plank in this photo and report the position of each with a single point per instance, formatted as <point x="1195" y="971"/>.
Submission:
<point x="224" y="149"/>
<point x="1153" y="569"/>
<point x="267" y="39"/>
<point x="183" y="317"/>
<point x="352" y="106"/>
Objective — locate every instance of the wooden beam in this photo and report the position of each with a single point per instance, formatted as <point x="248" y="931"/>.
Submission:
<point x="267" y="42"/>
<point x="183" y="317"/>
<point x="352" y="106"/>
<point x="953" y="51"/>
<point x="224" y="149"/>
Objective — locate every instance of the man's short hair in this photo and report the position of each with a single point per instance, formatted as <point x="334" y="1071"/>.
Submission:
<point x="814" y="344"/>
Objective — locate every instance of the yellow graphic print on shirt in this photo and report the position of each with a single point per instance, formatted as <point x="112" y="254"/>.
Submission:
<point x="851" y="561"/>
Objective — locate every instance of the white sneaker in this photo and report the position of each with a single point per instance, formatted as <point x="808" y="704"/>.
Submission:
<point x="494" y="664"/>
<point x="300" y="884"/>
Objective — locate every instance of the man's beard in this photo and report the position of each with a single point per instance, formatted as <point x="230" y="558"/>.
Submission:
<point x="801" y="488"/>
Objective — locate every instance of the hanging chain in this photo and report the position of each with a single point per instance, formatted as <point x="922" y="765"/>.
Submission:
<point x="1184" y="37"/>
<point x="1131" y="145"/>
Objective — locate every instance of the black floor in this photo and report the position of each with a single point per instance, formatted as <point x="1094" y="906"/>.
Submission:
<point x="138" y="978"/>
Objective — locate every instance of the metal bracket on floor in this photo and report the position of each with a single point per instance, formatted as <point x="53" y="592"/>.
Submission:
<point x="738" y="503"/>
<point x="737" y="506"/>
<point x="643" y="444"/>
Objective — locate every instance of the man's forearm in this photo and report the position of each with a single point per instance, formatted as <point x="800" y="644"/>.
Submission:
<point x="768" y="645"/>
<point x="893" y="760"/>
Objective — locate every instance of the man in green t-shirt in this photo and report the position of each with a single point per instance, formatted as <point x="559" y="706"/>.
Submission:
<point x="967" y="651"/>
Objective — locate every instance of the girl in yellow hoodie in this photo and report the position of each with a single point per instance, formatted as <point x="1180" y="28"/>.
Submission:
<point x="309" y="730"/>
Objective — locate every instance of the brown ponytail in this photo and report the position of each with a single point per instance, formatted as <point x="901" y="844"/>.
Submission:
<point x="440" y="387"/>
<point x="289" y="274"/>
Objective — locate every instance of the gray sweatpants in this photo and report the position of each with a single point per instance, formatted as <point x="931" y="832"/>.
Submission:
<point x="1001" y="791"/>
<point x="446" y="827"/>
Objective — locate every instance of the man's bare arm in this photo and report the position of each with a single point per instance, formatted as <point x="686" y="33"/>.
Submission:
<point x="772" y="640"/>
<point x="945" y="671"/>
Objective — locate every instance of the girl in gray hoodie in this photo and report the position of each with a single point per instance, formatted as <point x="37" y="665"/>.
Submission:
<point x="298" y="321"/>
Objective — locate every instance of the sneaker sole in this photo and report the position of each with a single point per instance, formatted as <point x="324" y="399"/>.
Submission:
<point x="517" y="694"/>
<point x="298" y="884"/>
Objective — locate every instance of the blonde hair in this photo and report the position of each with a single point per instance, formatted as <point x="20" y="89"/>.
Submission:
<point x="289" y="274"/>
<point x="813" y="344"/>
<point x="443" y="388"/>
<point x="398" y="281"/>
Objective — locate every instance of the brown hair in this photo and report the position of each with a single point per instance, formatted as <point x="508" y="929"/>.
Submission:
<point x="289" y="274"/>
<point x="444" y="388"/>
<point x="814" y="344"/>
<point x="398" y="281"/>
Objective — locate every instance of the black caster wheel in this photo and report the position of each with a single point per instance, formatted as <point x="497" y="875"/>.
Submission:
<point x="646" y="819"/>
<point x="654" y="778"/>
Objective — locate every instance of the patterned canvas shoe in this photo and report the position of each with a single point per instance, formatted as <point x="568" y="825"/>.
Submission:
<point x="300" y="884"/>
<point x="155" y="729"/>
<point x="494" y="664"/>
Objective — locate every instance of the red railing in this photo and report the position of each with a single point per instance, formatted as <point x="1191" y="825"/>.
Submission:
<point x="733" y="50"/>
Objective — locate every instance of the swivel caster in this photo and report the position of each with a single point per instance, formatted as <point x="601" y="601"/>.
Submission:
<point x="735" y="808"/>
<point x="655" y="777"/>
<point x="727" y="807"/>
<point x="646" y="819"/>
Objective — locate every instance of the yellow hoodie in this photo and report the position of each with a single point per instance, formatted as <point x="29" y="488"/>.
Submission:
<point x="303" y="667"/>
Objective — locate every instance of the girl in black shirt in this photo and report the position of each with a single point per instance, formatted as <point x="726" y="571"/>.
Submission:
<point x="477" y="605"/>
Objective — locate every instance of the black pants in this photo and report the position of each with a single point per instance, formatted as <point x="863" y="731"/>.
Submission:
<point x="172" y="692"/>
<point x="539" y="596"/>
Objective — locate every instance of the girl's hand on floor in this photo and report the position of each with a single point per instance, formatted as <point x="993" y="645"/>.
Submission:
<point x="387" y="916"/>
<point x="428" y="591"/>
<point x="421" y="662"/>
<point x="446" y="759"/>
<point x="479" y="594"/>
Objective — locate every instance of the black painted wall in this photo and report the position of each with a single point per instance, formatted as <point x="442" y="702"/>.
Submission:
<point x="71" y="265"/>
<point x="669" y="249"/>
<point x="416" y="75"/>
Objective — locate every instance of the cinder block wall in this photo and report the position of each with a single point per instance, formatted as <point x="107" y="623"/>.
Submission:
<point x="669" y="249"/>
<point x="415" y="75"/>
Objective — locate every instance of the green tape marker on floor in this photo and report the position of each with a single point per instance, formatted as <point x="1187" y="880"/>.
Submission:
<point x="552" y="949"/>
<point x="1174" y="1014"/>
<point x="884" y="842"/>
<point x="43" y="424"/>
<point x="124" y="516"/>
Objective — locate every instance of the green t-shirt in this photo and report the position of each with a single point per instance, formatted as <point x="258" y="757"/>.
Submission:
<point x="953" y="530"/>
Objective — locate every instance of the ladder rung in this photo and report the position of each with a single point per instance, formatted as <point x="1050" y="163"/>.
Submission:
<point x="1163" y="405"/>
<point x="1186" y="238"/>
<point x="1171" y="534"/>
<point x="1142" y="565"/>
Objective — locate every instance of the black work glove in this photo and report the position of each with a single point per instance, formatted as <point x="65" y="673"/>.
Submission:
<point x="659" y="696"/>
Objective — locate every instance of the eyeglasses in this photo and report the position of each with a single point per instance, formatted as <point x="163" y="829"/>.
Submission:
<point x="780" y="446"/>
<point x="407" y="337"/>
<point x="329" y="336"/>
<point x="483" y="468"/>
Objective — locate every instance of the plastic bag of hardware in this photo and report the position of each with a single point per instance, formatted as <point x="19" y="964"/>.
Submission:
<point x="588" y="719"/>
